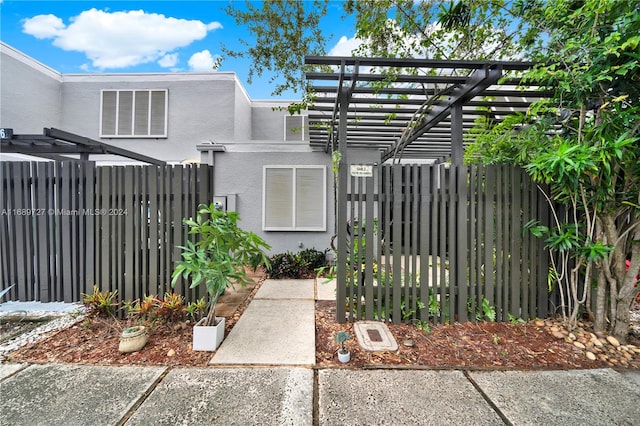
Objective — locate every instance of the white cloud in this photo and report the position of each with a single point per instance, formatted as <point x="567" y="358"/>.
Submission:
<point x="168" y="61"/>
<point x="203" y="61"/>
<point x="43" y="26"/>
<point x="120" y="39"/>
<point x="345" y="46"/>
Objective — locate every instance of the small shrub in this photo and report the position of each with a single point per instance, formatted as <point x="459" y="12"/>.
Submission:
<point x="296" y="265"/>
<point x="143" y="310"/>
<point x="100" y="303"/>
<point x="171" y="308"/>
<point x="151" y="309"/>
<point x="313" y="259"/>
<point x="284" y="265"/>
<point x="196" y="310"/>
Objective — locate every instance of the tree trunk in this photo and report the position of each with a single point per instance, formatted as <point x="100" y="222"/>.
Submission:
<point x="620" y="328"/>
<point x="601" y="302"/>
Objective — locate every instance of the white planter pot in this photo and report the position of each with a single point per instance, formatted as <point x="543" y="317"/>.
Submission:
<point x="208" y="338"/>
<point x="344" y="357"/>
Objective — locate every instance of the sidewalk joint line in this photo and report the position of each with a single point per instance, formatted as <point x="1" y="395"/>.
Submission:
<point x="488" y="400"/>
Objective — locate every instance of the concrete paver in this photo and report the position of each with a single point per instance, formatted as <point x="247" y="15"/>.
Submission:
<point x="277" y="328"/>
<point x="286" y="289"/>
<point x="325" y="289"/>
<point x="400" y="397"/>
<point x="574" y="397"/>
<point x="73" y="394"/>
<point x="8" y="369"/>
<point x="271" y="332"/>
<point x="230" y="396"/>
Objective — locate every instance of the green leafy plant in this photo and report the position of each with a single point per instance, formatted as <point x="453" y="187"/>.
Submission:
<point x="196" y="310"/>
<point x="513" y="320"/>
<point x="218" y="257"/>
<point x="143" y="309"/>
<point x="100" y="303"/>
<point x="488" y="311"/>
<point x="340" y="338"/>
<point x="171" y="307"/>
<point x="296" y="265"/>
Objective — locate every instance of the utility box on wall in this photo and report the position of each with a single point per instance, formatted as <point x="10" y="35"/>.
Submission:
<point x="225" y="203"/>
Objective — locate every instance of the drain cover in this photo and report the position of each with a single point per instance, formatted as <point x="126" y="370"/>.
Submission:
<point x="374" y="336"/>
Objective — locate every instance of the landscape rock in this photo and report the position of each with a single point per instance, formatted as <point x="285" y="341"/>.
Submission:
<point x="613" y="341"/>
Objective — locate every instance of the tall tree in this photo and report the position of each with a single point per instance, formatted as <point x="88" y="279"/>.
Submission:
<point x="282" y="32"/>
<point x="584" y="143"/>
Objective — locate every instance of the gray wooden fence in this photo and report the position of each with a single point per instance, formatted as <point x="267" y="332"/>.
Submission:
<point x="433" y="243"/>
<point x="66" y="226"/>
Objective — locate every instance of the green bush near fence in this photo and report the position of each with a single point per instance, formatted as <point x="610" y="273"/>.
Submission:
<point x="297" y="265"/>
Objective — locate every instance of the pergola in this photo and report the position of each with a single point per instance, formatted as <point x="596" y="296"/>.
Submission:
<point x="410" y="108"/>
<point x="55" y="144"/>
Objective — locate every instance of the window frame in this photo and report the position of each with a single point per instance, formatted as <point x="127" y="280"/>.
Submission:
<point x="304" y="118"/>
<point x="150" y="117"/>
<point x="293" y="227"/>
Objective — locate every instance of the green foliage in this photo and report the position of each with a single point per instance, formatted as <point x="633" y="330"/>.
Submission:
<point x="341" y="337"/>
<point x="297" y="265"/>
<point x="100" y="303"/>
<point x="488" y="311"/>
<point x="281" y="34"/>
<point x="144" y="309"/>
<point x="152" y="309"/>
<point x="219" y="256"/>
<point x="336" y="158"/>
<point x="513" y="320"/>
<point x="196" y="310"/>
<point x="583" y="143"/>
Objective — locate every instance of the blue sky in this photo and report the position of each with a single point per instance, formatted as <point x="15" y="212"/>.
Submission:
<point x="142" y="36"/>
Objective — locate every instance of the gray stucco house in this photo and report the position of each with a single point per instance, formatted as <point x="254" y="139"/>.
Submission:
<point x="264" y="164"/>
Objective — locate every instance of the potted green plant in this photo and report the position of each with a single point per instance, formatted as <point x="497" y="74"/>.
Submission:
<point x="344" y="355"/>
<point x="217" y="259"/>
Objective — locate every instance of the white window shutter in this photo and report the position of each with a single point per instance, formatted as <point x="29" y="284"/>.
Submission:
<point x="109" y="104"/>
<point x="141" y="113"/>
<point x="158" y="113"/>
<point x="125" y="112"/>
<point x="294" y="130"/>
<point x="278" y="203"/>
<point x="310" y="194"/>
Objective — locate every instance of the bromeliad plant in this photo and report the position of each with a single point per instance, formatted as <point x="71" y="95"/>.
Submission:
<point x="218" y="258"/>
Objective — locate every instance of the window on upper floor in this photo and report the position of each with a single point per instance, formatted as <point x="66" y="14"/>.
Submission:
<point x="296" y="127"/>
<point x="134" y="113"/>
<point x="294" y="198"/>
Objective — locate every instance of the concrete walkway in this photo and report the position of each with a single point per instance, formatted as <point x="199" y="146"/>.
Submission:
<point x="258" y="380"/>
<point x="277" y="328"/>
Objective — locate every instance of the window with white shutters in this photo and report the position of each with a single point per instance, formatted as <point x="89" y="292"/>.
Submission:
<point x="294" y="198"/>
<point x="134" y="113"/>
<point x="296" y="127"/>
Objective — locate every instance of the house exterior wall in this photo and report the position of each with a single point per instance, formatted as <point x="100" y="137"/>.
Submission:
<point x="248" y="190"/>
<point x="242" y="114"/>
<point x="200" y="109"/>
<point x="267" y="123"/>
<point x="31" y="93"/>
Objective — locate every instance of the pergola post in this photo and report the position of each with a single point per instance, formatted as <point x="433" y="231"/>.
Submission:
<point x="457" y="149"/>
<point x="341" y="220"/>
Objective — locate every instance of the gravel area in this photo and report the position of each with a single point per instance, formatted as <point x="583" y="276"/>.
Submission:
<point x="53" y="317"/>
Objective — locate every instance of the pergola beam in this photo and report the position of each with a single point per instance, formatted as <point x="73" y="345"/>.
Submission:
<point x="480" y="80"/>
<point x="54" y="142"/>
